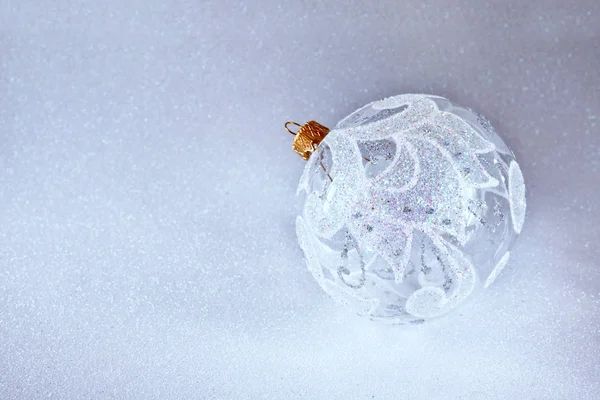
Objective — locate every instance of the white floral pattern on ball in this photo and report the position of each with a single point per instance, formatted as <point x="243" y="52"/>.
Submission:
<point x="407" y="202"/>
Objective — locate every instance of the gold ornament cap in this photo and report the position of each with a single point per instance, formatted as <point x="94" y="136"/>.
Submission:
<point x="308" y="137"/>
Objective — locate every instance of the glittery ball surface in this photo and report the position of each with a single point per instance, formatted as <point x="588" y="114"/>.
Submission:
<point x="412" y="203"/>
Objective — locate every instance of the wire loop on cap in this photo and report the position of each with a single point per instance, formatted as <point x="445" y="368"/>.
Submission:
<point x="293" y="123"/>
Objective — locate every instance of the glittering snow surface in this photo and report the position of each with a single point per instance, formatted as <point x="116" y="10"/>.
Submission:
<point x="148" y="243"/>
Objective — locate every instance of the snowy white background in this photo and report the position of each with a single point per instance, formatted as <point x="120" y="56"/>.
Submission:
<point x="147" y="198"/>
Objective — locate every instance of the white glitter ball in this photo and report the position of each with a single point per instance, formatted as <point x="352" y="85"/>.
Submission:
<point x="421" y="199"/>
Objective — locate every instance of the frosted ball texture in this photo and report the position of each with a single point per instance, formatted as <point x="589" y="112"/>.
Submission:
<point x="412" y="203"/>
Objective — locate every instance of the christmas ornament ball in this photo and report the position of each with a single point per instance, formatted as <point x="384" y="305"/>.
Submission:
<point x="412" y="203"/>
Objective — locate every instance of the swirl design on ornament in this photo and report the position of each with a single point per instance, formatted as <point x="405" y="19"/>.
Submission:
<point x="404" y="178"/>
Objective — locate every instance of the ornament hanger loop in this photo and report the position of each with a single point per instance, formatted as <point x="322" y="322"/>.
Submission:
<point x="292" y="123"/>
<point x="308" y="137"/>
